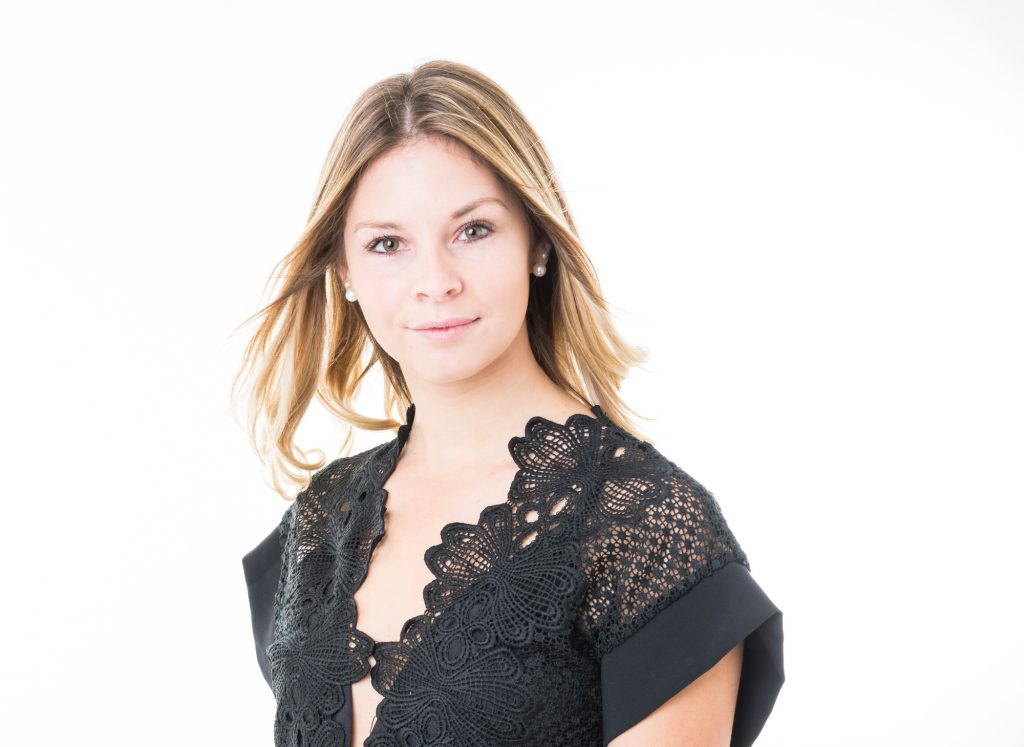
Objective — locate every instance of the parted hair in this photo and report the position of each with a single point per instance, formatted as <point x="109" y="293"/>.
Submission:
<point x="311" y="342"/>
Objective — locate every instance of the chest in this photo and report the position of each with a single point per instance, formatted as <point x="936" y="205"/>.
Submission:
<point x="417" y="509"/>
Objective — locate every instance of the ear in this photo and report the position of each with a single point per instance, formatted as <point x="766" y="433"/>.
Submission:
<point x="339" y="267"/>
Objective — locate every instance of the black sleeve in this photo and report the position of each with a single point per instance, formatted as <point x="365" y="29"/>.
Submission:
<point x="685" y="640"/>
<point x="262" y="566"/>
<point x="672" y="594"/>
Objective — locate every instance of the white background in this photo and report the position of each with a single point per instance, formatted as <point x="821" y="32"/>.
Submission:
<point x="810" y="212"/>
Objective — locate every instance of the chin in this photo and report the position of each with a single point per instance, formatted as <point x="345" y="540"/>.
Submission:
<point x="447" y="366"/>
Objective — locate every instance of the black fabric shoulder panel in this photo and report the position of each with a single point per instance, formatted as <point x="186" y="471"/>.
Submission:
<point x="670" y="592"/>
<point x="685" y="640"/>
<point x="262" y="566"/>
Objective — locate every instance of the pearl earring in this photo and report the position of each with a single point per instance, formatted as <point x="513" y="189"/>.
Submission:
<point x="349" y="293"/>
<point x="540" y="269"/>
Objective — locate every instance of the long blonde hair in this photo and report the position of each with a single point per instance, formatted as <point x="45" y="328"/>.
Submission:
<point x="310" y="341"/>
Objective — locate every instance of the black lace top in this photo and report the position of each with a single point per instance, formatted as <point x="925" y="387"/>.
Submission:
<point x="605" y="583"/>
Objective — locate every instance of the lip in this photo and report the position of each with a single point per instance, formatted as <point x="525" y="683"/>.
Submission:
<point x="455" y="321"/>
<point x="447" y="329"/>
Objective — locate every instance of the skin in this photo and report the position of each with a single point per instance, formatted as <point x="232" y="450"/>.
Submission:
<point x="475" y="392"/>
<point x="472" y="394"/>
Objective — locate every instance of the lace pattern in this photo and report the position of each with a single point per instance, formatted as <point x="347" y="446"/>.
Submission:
<point x="599" y="532"/>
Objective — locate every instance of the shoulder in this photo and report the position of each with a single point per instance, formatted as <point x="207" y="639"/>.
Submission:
<point x="639" y="488"/>
<point x="330" y="480"/>
<point x="650" y="533"/>
<point x="335" y="473"/>
<point x="338" y="477"/>
<point x="669" y="589"/>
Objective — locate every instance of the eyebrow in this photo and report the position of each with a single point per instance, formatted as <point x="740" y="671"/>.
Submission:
<point x="457" y="214"/>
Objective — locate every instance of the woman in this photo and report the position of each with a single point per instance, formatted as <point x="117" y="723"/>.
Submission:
<point x="605" y="600"/>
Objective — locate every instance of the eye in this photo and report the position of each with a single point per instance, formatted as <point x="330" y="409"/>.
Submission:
<point x="377" y="240"/>
<point x="475" y="227"/>
<point x="392" y="241"/>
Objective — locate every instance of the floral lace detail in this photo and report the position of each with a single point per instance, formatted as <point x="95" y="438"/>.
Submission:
<point x="636" y="569"/>
<point x="599" y="532"/>
<point x="313" y="624"/>
<point x="605" y="472"/>
<point x="448" y="682"/>
<point x="526" y="592"/>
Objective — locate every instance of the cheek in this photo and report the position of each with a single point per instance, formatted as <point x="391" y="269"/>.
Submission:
<point x="381" y="315"/>
<point x="506" y="298"/>
<point x="507" y="277"/>
<point x="506" y="308"/>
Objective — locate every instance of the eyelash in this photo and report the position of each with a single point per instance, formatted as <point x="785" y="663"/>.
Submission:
<point x="377" y="239"/>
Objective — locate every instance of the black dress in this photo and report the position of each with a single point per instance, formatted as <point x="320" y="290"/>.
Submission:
<point x="605" y="583"/>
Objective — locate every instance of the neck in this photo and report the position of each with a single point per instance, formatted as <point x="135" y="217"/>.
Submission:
<point x="469" y="423"/>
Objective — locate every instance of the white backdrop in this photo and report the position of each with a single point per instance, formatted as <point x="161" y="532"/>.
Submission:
<point x="810" y="212"/>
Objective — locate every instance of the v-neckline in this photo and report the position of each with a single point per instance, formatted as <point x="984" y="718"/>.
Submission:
<point x="378" y="477"/>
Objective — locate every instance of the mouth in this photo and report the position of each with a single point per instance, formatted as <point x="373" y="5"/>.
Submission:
<point x="448" y="329"/>
<point x="445" y="323"/>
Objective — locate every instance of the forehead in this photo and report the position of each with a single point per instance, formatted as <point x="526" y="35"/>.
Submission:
<point x="424" y="177"/>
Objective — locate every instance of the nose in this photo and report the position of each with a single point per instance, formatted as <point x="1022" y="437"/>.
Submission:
<point x="436" y="274"/>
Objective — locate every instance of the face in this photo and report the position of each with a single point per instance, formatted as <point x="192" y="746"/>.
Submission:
<point x="432" y="236"/>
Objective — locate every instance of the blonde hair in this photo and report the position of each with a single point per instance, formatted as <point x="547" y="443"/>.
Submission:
<point x="310" y="341"/>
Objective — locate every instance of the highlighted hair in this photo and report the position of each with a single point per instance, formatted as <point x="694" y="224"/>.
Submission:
<point x="311" y="342"/>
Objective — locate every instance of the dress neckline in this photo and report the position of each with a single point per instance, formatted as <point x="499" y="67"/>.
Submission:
<point x="383" y="469"/>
